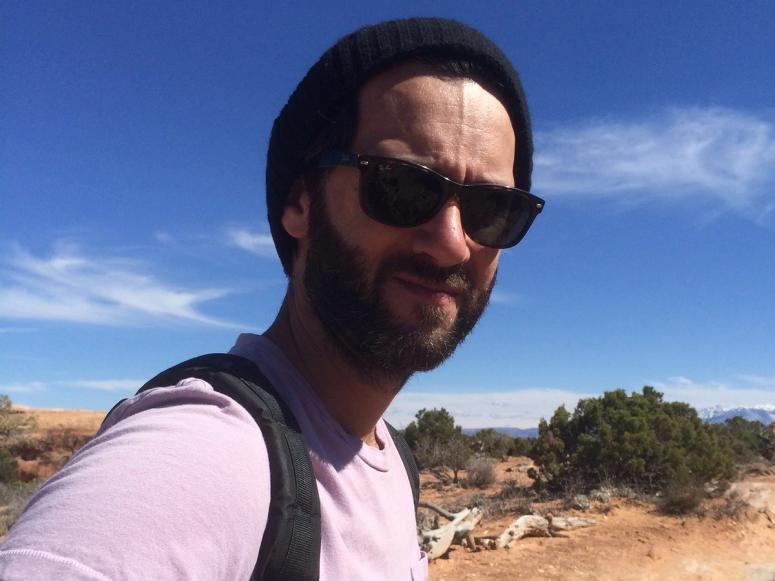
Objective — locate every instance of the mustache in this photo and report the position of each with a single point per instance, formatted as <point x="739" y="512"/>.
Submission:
<point x="423" y="269"/>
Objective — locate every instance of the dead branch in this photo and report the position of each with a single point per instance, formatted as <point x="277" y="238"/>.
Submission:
<point x="461" y="525"/>
<point x="533" y="525"/>
<point x="528" y="525"/>
<point x="568" y="523"/>
<point x="438" y="509"/>
<point x="437" y="542"/>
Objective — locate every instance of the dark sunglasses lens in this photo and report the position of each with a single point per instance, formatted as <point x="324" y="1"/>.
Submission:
<point x="494" y="216"/>
<point x="400" y="195"/>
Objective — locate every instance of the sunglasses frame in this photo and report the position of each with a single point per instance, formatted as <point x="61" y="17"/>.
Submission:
<point x="451" y="188"/>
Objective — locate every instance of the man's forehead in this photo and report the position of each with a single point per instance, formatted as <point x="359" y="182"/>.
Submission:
<point x="452" y="124"/>
<point x="413" y="91"/>
<point x="403" y="74"/>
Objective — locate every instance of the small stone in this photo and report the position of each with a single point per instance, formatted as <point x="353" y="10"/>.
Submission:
<point x="580" y="502"/>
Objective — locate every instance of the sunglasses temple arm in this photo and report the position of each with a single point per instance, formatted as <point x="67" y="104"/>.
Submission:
<point x="332" y="158"/>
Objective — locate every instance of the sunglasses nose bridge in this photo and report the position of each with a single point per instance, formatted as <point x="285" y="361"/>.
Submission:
<point x="442" y="236"/>
<point x="452" y="192"/>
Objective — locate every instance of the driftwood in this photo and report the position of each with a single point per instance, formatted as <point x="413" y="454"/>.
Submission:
<point x="437" y="541"/>
<point x="533" y="525"/>
<point x="460" y="530"/>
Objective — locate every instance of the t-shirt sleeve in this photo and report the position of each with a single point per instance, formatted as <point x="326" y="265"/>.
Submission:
<point x="174" y="486"/>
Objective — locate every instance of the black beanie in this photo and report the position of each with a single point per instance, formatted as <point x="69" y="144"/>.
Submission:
<point x="335" y="79"/>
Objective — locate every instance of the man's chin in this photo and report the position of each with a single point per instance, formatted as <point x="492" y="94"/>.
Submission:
<point x="424" y="317"/>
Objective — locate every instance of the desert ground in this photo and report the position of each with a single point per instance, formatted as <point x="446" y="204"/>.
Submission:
<point x="733" y="538"/>
<point x="730" y="538"/>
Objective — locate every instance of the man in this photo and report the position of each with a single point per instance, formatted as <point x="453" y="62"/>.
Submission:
<point x="390" y="262"/>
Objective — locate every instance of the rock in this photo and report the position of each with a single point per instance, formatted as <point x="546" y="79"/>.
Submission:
<point x="579" y="502"/>
<point x="600" y="495"/>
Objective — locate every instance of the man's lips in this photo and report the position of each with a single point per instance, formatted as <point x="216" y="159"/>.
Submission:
<point x="429" y="291"/>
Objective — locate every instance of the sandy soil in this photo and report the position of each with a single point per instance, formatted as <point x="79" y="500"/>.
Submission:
<point x="631" y="540"/>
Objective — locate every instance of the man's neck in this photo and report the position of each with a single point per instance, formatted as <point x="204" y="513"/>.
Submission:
<point x="355" y="402"/>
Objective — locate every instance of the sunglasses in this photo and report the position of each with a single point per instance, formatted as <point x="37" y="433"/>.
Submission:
<point x="405" y="194"/>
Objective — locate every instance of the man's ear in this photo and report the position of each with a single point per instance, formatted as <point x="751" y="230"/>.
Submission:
<point x="295" y="216"/>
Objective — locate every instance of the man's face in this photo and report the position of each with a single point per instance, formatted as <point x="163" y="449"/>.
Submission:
<point x="399" y="300"/>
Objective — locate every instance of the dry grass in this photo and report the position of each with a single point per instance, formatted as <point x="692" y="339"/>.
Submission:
<point x="81" y="421"/>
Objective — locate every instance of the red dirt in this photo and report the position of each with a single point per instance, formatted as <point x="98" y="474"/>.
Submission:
<point x="631" y="540"/>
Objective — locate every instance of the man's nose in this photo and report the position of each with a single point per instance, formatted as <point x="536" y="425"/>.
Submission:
<point x="442" y="238"/>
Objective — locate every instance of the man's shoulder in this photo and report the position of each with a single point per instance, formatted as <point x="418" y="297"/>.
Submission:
<point x="190" y="395"/>
<point x="175" y="466"/>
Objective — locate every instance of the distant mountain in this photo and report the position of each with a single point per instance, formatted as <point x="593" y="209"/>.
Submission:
<point x="718" y="415"/>
<point x="512" y="432"/>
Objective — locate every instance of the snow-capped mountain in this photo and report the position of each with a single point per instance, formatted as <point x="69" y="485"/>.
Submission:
<point x="718" y="414"/>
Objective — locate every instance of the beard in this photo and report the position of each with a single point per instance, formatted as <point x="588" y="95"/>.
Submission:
<point x="357" y="318"/>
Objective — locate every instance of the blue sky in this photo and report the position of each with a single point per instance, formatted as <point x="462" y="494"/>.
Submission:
<point x="132" y="218"/>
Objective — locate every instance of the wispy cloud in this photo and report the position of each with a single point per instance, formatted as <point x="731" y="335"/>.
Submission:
<point x="504" y="297"/>
<point x="520" y="408"/>
<point x="254" y="242"/>
<point x="715" y="152"/>
<point x="104" y="384"/>
<point x="164" y="237"/>
<point x="741" y="391"/>
<point x="70" y="286"/>
<point x="22" y="387"/>
<point x="121" y="385"/>
<point x="523" y="408"/>
<point x="8" y="330"/>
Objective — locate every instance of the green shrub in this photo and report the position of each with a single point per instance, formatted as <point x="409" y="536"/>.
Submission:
<point x="491" y="443"/>
<point x="522" y="446"/>
<point x="437" y="424"/>
<point x="749" y="441"/>
<point x="682" y="495"/>
<point x="444" y="458"/>
<point x="637" y="440"/>
<point x="9" y="469"/>
<point x="438" y="444"/>
<point x="14" y="425"/>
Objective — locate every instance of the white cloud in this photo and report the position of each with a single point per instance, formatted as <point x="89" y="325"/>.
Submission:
<point x="104" y="384"/>
<point x="520" y="408"/>
<point x="759" y="380"/>
<point x="523" y="408"/>
<point x="69" y="286"/>
<point x="504" y="297"/>
<point x="125" y="385"/>
<point x="163" y="237"/>
<point x="23" y="387"/>
<point x="260" y="244"/>
<point x="714" y="152"/>
<point x="743" y="391"/>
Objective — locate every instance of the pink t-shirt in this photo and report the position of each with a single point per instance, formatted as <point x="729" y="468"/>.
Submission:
<point x="176" y="486"/>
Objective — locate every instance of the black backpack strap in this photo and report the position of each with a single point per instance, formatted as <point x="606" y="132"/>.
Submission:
<point x="409" y="464"/>
<point x="290" y="547"/>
